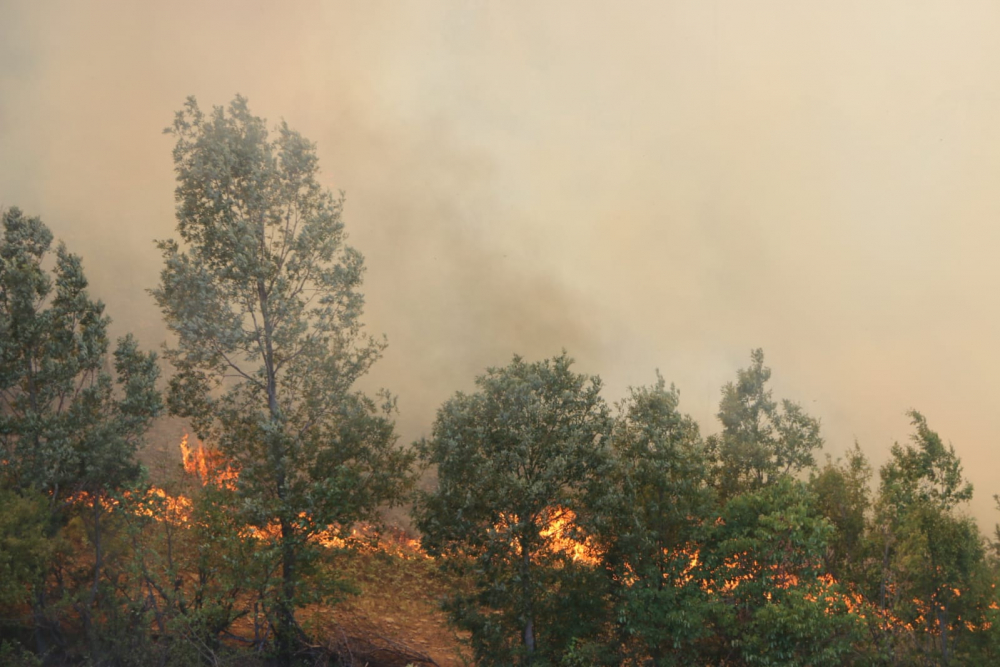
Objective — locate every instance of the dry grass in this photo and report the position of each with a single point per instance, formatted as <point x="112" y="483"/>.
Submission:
<point x="397" y="612"/>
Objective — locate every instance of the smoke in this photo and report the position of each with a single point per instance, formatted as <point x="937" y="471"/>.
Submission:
<point x="667" y="186"/>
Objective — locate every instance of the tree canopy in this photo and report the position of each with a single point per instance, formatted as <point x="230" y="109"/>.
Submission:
<point x="761" y="439"/>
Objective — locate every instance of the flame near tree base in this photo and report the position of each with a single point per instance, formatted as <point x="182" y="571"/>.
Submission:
<point x="561" y="533"/>
<point x="211" y="467"/>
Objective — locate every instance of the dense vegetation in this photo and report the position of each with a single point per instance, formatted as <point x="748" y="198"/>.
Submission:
<point x="565" y="531"/>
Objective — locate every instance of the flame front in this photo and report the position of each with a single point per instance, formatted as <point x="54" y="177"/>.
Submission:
<point x="559" y="531"/>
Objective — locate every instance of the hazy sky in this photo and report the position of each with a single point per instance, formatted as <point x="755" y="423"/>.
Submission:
<point x="663" y="187"/>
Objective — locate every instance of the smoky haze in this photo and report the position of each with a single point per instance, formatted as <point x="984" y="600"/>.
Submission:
<point x="666" y="186"/>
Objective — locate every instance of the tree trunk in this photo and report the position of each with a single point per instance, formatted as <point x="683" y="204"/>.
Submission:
<point x="286" y="602"/>
<point x="526" y="592"/>
<point x="41" y="622"/>
<point x="943" y="627"/>
<point x="885" y="568"/>
<point x="286" y="629"/>
<point x="87" y="609"/>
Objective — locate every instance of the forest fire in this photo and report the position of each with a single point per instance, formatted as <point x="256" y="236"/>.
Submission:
<point x="211" y="467"/>
<point x="560" y="531"/>
<point x="561" y="534"/>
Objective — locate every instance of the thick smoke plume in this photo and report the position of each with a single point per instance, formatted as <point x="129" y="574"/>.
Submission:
<point x="667" y="186"/>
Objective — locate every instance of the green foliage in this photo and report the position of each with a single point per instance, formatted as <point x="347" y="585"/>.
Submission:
<point x="760" y="441"/>
<point x="263" y="297"/>
<point x="843" y="497"/>
<point x="63" y="426"/>
<point x="765" y="555"/>
<point x="648" y="515"/>
<point x="14" y="655"/>
<point x="925" y="472"/>
<point x="511" y="459"/>
<point x="68" y="427"/>
<point x="25" y="551"/>
<point x="803" y="629"/>
<point x="927" y="560"/>
<point x="981" y="644"/>
<point x="193" y="570"/>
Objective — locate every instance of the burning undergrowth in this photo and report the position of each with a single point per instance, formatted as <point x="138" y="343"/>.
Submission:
<point x="202" y="574"/>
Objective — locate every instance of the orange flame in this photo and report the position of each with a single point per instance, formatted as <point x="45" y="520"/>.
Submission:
<point x="560" y="531"/>
<point x="563" y="536"/>
<point x="208" y="464"/>
<point x="560" y="535"/>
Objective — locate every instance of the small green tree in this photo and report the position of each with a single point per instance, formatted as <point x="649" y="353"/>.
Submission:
<point x="69" y="430"/>
<point x="760" y="440"/>
<point x="263" y="296"/>
<point x="932" y="558"/>
<point x="193" y="570"/>
<point x="649" y="514"/>
<point x="925" y="471"/>
<point x="512" y="459"/>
